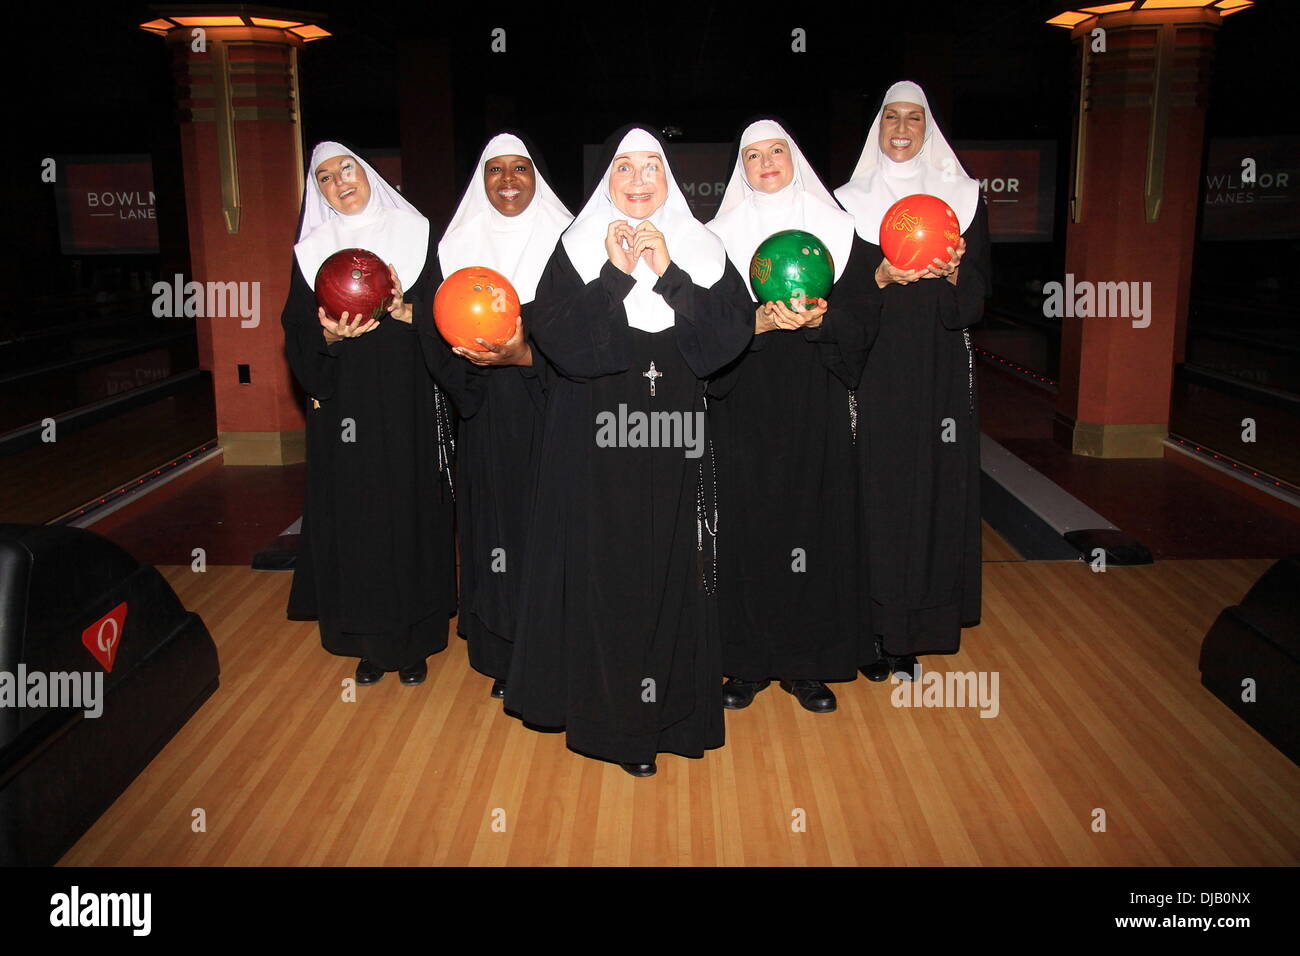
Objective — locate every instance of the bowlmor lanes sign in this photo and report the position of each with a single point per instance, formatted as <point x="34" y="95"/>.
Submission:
<point x="1252" y="188"/>
<point x="106" y="204"/>
<point x="1018" y="182"/>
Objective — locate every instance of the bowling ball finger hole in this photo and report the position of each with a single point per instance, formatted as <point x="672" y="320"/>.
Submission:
<point x="356" y="273"/>
<point x="805" y="250"/>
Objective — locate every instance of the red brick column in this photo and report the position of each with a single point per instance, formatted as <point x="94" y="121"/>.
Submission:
<point x="241" y="144"/>
<point x="1136" y="165"/>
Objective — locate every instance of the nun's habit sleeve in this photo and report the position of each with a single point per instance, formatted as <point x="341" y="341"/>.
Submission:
<point x="581" y="328"/>
<point x="713" y="325"/>
<point x="462" y="380"/>
<point x="852" y="319"/>
<point x="965" y="306"/>
<point x="313" y="360"/>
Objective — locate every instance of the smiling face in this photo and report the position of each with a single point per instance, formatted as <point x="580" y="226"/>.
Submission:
<point x="638" y="183"/>
<point x="510" y="183"/>
<point x="768" y="165"/>
<point x="902" y="130"/>
<point x="343" y="183"/>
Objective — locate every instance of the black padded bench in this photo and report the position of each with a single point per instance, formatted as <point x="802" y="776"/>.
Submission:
<point x="1259" y="639"/>
<point x="62" y="592"/>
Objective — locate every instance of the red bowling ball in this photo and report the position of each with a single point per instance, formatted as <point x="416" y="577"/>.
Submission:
<point x="354" y="281"/>
<point x="918" y="229"/>
<point x="476" y="302"/>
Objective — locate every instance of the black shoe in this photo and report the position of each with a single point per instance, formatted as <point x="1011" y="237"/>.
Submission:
<point x="904" y="667"/>
<point x="640" y="769"/>
<point x="812" y="695"/>
<point x="367" y="673"/>
<point x="499" y="688"/>
<point x="414" y="673"/>
<point x="738" y="694"/>
<point x="876" y="670"/>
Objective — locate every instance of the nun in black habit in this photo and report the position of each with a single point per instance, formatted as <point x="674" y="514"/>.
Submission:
<point x="918" y="428"/>
<point x="509" y="220"/>
<point x="376" y="560"/>
<point x="637" y="307"/>
<point x="784" y="420"/>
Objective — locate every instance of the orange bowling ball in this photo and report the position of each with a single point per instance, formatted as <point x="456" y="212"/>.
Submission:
<point x="476" y="302"/>
<point x="918" y="229"/>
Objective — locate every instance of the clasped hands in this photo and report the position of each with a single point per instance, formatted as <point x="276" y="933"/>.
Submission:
<point x="625" y="245"/>
<point x="938" y="269"/>
<point x="337" y="331"/>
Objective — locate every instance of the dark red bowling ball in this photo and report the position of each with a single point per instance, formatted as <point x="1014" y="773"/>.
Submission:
<point x="356" y="282"/>
<point x="918" y="229"/>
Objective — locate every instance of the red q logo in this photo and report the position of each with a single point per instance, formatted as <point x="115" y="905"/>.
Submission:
<point x="104" y="637"/>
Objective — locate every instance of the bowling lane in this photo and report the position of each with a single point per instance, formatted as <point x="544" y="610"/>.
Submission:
<point x="49" y="479"/>
<point x="1172" y="509"/>
<point x="232" y="513"/>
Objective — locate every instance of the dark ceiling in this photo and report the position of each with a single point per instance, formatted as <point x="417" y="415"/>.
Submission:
<point x="98" y="84"/>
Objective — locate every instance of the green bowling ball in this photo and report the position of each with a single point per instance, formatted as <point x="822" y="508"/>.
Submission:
<point x="790" y="265"/>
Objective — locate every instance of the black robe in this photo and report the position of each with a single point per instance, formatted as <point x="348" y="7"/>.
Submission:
<point x="499" y="435"/>
<point x="614" y="639"/>
<point x="376" y="563"/>
<point x="922" y="517"/>
<point x="788" y="567"/>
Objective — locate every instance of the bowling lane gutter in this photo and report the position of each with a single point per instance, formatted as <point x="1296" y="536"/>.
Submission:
<point x="1042" y="520"/>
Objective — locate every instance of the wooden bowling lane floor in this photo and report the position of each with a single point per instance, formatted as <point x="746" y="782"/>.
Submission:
<point x="1099" y="707"/>
<point x="994" y="547"/>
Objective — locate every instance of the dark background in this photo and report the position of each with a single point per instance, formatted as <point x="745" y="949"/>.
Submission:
<point x="88" y="80"/>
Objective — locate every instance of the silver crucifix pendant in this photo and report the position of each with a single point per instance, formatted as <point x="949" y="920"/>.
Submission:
<point x="652" y="374"/>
